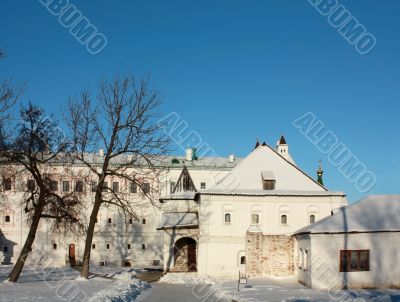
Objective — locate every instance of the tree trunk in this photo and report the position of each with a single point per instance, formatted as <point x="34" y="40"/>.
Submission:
<point x="19" y="265"/>
<point x="89" y="237"/>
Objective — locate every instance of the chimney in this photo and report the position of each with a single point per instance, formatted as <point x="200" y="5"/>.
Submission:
<point x="101" y="152"/>
<point x="231" y="158"/>
<point x="189" y="154"/>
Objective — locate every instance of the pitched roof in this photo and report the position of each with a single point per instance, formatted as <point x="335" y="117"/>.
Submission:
<point x="282" y="141"/>
<point x="247" y="175"/>
<point x="375" y="213"/>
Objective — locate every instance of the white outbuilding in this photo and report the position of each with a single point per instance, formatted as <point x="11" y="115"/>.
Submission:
<point x="357" y="247"/>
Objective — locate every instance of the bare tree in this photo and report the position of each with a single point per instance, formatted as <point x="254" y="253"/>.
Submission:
<point x="9" y="95"/>
<point x="122" y="123"/>
<point x="38" y="144"/>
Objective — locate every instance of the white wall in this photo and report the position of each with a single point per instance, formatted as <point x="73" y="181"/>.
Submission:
<point x="384" y="257"/>
<point x="221" y="243"/>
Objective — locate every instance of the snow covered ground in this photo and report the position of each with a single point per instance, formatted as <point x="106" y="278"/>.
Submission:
<point x="289" y="290"/>
<point x="64" y="284"/>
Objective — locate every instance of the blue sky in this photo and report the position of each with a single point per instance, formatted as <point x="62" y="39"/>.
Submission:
<point x="235" y="70"/>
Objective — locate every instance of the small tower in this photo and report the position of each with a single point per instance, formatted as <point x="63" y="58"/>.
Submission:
<point x="257" y="144"/>
<point x="282" y="147"/>
<point x="320" y="172"/>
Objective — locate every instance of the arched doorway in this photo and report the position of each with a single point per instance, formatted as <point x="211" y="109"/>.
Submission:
<point x="185" y="255"/>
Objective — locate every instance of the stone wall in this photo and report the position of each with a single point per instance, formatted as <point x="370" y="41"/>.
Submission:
<point x="271" y="255"/>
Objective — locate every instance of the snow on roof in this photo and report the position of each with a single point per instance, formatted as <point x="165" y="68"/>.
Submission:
<point x="244" y="192"/>
<point x="375" y="213"/>
<point x="178" y="219"/>
<point x="247" y="175"/>
<point x="268" y="175"/>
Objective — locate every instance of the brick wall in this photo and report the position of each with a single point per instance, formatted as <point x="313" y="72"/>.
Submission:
<point x="271" y="255"/>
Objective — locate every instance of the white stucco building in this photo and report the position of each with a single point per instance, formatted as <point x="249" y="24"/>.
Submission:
<point x="246" y="221"/>
<point x="356" y="248"/>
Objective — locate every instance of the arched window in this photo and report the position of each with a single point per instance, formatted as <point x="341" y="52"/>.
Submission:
<point x="54" y="246"/>
<point x="5" y="249"/>
<point x="312" y="218"/>
<point x="7" y="218"/>
<point x="227" y="218"/>
<point x="283" y="219"/>
<point x="243" y="260"/>
<point x="255" y="219"/>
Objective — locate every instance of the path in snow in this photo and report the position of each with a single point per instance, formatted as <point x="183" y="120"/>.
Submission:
<point x="181" y="293"/>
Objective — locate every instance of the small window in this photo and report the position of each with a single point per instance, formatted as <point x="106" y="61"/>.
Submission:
<point x="109" y="220"/>
<point x="93" y="246"/>
<point x="55" y="246"/>
<point x="283" y="219"/>
<point x="129" y="246"/>
<point x="105" y="186"/>
<point x="269" y="184"/>
<point x="243" y="260"/>
<point x="143" y="246"/>
<point x="227" y="218"/>
<point x="5" y="249"/>
<point x="115" y="187"/>
<point x="31" y="185"/>
<point x="354" y="260"/>
<point x="130" y="221"/>
<point x="312" y="218"/>
<point x="79" y="186"/>
<point x="65" y="186"/>
<point x="7" y="184"/>
<point x="7" y="218"/>
<point x="146" y="188"/>
<point x="102" y="263"/>
<point x="107" y="246"/>
<point x="172" y="185"/>
<point x="255" y="219"/>
<point x="54" y="185"/>
<point x="133" y="187"/>
<point x="144" y="221"/>
<point x="203" y="185"/>
<point x="93" y="186"/>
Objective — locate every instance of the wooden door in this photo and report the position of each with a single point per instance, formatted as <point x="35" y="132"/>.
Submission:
<point x="72" y="261"/>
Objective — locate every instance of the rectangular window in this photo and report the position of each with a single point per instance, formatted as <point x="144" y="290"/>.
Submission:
<point x="79" y="186"/>
<point x="115" y="187"/>
<point x="105" y="186"/>
<point x="93" y="186"/>
<point x="94" y="246"/>
<point x="269" y="184"/>
<point x="133" y="187"/>
<point x="7" y="184"/>
<point x="203" y="185"/>
<point x="146" y="188"/>
<point x="354" y="260"/>
<point x="31" y="185"/>
<point x="107" y="246"/>
<point x="129" y="246"/>
<point x="143" y="246"/>
<point x="172" y="185"/>
<point x="143" y="221"/>
<point x="54" y="185"/>
<point x="65" y="186"/>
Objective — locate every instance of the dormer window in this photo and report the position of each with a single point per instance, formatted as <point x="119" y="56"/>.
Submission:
<point x="268" y="179"/>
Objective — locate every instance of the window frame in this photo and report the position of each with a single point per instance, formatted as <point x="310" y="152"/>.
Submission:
<point x="360" y="267"/>
<point x="286" y="219"/>
<point x="227" y="214"/>
<point x="66" y="186"/>
<point x="203" y="187"/>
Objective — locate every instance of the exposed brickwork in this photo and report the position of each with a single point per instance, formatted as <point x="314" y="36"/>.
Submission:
<point x="272" y="255"/>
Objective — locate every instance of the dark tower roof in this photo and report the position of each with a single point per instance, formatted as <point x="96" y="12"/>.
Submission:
<point x="282" y="141"/>
<point x="257" y="144"/>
